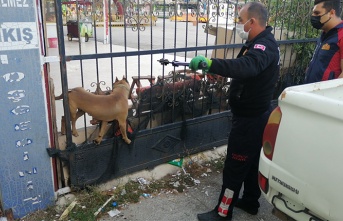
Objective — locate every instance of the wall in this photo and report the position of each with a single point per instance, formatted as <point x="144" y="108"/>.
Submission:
<point x="26" y="182"/>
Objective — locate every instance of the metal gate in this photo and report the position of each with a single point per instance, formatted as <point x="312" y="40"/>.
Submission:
<point x="173" y="111"/>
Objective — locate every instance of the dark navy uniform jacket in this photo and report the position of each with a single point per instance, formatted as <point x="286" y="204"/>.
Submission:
<point x="254" y="74"/>
<point x="326" y="60"/>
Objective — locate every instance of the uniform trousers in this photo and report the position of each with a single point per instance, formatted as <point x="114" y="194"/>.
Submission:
<point x="242" y="159"/>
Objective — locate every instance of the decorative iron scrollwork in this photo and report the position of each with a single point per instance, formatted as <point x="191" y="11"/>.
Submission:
<point x="139" y="13"/>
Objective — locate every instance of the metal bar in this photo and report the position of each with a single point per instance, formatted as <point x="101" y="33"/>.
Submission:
<point x="172" y="50"/>
<point x="151" y="14"/>
<point x="63" y="67"/>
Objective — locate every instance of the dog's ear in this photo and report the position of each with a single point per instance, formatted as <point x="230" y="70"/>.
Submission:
<point x="124" y="78"/>
<point x="116" y="79"/>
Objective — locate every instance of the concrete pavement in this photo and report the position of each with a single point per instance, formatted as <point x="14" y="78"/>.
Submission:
<point x="185" y="206"/>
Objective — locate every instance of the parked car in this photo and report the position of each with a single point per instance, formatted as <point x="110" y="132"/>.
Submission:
<point x="302" y="155"/>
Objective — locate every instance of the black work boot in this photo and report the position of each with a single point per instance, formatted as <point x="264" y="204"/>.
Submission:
<point x="251" y="208"/>
<point x="213" y="216"/>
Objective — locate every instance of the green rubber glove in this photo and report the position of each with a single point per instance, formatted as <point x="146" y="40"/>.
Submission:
<point x="200" y="62"/>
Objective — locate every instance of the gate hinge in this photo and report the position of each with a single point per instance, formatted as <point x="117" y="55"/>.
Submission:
<point x="61" y="154"/>
<point x="50" y="59"/>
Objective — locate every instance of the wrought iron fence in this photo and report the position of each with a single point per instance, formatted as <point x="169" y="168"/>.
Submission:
<point x="143" y="32"/>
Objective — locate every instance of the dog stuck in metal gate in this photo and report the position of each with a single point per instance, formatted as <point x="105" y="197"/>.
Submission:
<point x="104" y="108"/>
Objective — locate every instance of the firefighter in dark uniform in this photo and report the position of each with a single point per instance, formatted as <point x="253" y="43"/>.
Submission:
<point x="327" y="60"/>
<point x="254" y="74"/>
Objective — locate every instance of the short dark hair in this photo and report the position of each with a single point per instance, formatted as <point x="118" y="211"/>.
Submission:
<point x="330" y="4"/>
<point x="258" y="11"/>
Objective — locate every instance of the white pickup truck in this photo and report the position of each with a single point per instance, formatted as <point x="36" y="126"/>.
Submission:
<point x="301" y="163"/>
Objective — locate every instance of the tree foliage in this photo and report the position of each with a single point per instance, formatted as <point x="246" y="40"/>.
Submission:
<point x="294" y="17"/>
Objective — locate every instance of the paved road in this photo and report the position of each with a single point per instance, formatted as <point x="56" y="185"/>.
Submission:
<point x="165" y="35"/>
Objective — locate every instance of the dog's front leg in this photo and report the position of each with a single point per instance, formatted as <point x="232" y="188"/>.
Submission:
<point x="122" y="126"/>
<point x="102" y="132"/>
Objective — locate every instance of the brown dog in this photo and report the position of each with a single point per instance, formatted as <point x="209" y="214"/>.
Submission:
<point x="104" y="108"/>
<point x="97" y="91"/>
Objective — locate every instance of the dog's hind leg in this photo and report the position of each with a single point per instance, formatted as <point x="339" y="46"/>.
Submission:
<point x="102" y="132"/>
<point x="74" y="118"/>
<point x="63" y="125"/>
<point x="122" y="126"/>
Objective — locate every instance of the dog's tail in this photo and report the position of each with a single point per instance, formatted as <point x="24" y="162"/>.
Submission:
<point x="59" y="97"/>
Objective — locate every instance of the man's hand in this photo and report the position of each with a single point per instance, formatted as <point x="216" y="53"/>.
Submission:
<point x="200" y="62"/>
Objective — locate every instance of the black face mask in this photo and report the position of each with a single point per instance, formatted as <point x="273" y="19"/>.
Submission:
<point x="315" y="21"/>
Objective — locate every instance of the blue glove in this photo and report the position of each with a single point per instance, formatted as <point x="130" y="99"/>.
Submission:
<point x="200" y="62"/>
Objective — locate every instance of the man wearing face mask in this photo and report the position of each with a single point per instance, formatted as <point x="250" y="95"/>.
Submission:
<point x="254" y="73"/>
<point x="327" y="60"/>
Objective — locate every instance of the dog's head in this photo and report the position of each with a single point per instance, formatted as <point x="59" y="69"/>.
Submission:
<point x="121" y="83"/>
<point x="124" y="78"/>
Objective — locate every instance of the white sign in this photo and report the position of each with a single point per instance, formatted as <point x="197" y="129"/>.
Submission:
<point x="14" y="3"/>
<point x="18" y="35"/>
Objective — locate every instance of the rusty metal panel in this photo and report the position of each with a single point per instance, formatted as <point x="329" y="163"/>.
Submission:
<point x="93" y="164"/>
